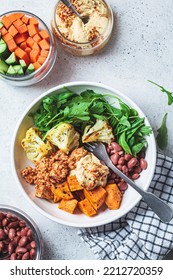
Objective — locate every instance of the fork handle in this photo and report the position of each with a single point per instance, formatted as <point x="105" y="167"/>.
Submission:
<point x="163" y="211"/>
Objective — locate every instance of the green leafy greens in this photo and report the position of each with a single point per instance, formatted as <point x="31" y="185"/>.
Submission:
<point x="169" y="94"/>
<point x="83" y="109"/>
<point x="162" y="136"/>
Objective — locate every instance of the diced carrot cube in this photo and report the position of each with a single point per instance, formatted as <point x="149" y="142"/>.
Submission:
<point x="33" y="21"/>
<point x="12" y="30"/>
<point x="7" y="37"/>
<point x="17" y="23"/>
<point x="6" y="22"/>
<point x="25" y="19"/>
<point x="44" y="53"/>
<point x="36" y="65"/>
<point x="23" y="45"/>
<point x="19" y="38"/>
<point x="32" y="30"/>
<point x="12" y="17"/>
<point x="3" y="31"/>
<point x="12" y="45"/>
<point x="18" y="15"/>
<point x="41" y="59"/>
<point x="30" y="41"/>
<point x="22" y="55"/>
<point x="35" y="46"/>
<point x="28" y="50"/>
<point x="44" y="34"/>
<point x="34" y="54"/>
<point x="22" y="28"/>
<point x="44" y="45"/>
<point x="37" y="38"/>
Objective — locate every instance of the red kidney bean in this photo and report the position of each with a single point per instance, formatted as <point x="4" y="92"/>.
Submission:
<point x="20" y="250"/>
<point x="23" y="232"/>
<point x="124" y="169"/>
<point x="122" y="186"/>
<point x="121" y="161"/>
<point x="11" y="233"/>
<point x="116" y="147"/>
<point x="16" y="239"/>
<point x="132" y="162"/>
<point x="29" y="233"/>
<point x="32" y="253"/>
<point x="23" y="241"/>
<point x="135" y="176"/>
<point x="127" y="157"/>
<point x="13" y="224"/>
<point x="143" y="164"/>
<point x="4" y="222"/>
<point x="119" y="167"/>
<point x="33" y="244"/>
<point x="115" y="157"/>
<point x="2" y="234"/>
<point x="11" y="248"/>
<point x="13" y="256"/>
<point x="26" y="256"/>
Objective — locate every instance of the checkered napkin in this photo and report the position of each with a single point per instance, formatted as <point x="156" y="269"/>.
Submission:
<point x="139" y="234"/>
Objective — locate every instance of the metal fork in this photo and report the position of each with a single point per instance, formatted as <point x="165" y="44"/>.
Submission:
<point x="160" y="208"/>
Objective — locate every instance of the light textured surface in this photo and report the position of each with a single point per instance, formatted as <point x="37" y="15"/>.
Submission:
<point x="140" y="49"/>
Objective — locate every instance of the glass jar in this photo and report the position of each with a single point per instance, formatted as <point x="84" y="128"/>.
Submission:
<point x="25" y="228"/>
<point x="43" y="71"/>
<point x="95" y="40"/>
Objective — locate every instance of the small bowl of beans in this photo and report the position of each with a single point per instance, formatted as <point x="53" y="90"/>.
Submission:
<point x="20" y="238"/>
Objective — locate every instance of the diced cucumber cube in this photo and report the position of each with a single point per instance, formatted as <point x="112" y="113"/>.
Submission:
<point x="1" y="25"/>
<point x="30" y="69"/>
<point x="11" y="71"/>
<point x="3" y="67"/>
<point x="4" y="51"/>
<point x="17" y="68"/>
<point x="11" y="60"/>
<point x="20" y="72"/>
<point x="23" y="64"/>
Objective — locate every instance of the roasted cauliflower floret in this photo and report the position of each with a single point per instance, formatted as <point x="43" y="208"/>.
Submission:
<point x="34" y="146"/>
<point x="100" y="131"/>
<point x="64" y="136"/>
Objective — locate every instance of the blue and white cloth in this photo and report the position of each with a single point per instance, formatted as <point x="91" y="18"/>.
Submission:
<point x="140" y="234"/>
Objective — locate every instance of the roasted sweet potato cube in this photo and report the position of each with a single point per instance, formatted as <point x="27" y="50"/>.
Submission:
<point x="114" y="197"/>
<point x="73" y="183"/>
<point x="68" y="205"/>
<point x="86" y="207"/>
<point x="96" y="197"/>
<point x="63" y="191"/>
<point x="56" y="196"/>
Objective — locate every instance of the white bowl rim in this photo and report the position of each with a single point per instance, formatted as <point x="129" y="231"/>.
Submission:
<point x="51" y="90"/>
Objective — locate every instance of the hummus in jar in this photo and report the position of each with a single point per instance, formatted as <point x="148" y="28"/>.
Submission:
<point x="73" y="28"/>
<point x="90" y="172"/>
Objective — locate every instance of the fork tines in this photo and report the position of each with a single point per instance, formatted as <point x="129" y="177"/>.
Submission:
<point x="89" y="146"/>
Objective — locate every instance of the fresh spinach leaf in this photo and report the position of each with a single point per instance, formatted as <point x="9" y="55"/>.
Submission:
<point x="162" y="136"/>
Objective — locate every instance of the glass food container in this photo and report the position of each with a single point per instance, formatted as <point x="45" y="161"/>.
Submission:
<point x="78" y="38"/>
<point x="20" y="238"/>
<point x="32" y="77"/>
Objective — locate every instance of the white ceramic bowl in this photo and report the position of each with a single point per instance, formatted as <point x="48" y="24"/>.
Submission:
<point x="50" y="210"/>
